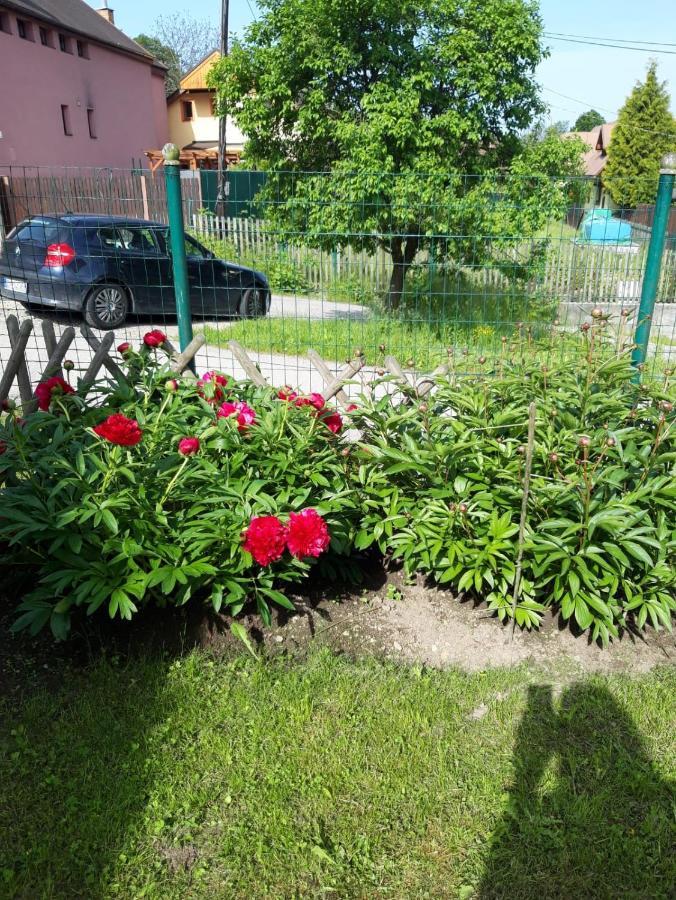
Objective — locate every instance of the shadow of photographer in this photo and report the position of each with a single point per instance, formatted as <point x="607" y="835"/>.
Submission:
<point x="588" y="816"/>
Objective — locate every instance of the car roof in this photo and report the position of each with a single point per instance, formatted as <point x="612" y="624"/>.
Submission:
<point x="94" y="220"/>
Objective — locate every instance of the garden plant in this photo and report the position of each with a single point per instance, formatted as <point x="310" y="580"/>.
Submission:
<point x="169" y="491"/>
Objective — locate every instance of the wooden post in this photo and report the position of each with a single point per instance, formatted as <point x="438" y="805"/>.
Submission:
<point x="22" y="376"/>
<point x="97" y="360"/>
<point x="524" y="510"/>
<point x="144" y="197"/>
<point x="15" y="358"/>
<point x="245" y="362"/>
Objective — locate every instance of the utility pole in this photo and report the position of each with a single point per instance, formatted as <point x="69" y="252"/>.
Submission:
<point x="222" y="122"/>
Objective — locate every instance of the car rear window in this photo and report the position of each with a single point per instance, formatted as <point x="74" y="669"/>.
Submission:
<point x="37" y="230"/>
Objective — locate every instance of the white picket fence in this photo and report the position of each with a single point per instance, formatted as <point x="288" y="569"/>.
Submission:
<point x="573" y="271"/>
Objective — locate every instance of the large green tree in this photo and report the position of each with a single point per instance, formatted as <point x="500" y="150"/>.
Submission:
<point x="165" y="55"/>
<point x="589" y="120"/>
<point x="397" y="105"/>
<point x="645" y="131"/>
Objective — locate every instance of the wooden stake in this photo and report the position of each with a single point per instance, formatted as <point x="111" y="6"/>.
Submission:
<point x="22" y="376"/>
<point x="524" y="510"/>
<point x="245" y="362"/>
<point x="15" y="358"/>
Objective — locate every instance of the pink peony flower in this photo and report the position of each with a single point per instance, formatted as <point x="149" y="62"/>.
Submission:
<point x="308" y="534"/>
<point x="265" y="539"/>
<point x="46" y="390"/>
<point x="314" y="399"/>
<point x="188" y="446"/>
<point x="333" y="422"/>
<point x="246" y="416"/>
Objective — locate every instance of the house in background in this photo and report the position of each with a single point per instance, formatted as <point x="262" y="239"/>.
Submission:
<point x="193" y="125"/>
<point x="595" y="159"/>
<point x="76" y="91"/>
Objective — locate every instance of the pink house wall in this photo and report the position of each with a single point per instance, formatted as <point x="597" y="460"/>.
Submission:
<point x="126" y="94"/>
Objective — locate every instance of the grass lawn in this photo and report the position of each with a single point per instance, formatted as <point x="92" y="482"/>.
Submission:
<point x="428" y="324"/>
<point x="203" y="777"/>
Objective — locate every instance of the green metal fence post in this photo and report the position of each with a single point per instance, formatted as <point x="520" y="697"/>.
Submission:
<point x="651" y="277"/>
<point x="172" y="172"/>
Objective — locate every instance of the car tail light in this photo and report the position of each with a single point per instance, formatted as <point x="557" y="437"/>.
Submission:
<point x="59" y="255"/>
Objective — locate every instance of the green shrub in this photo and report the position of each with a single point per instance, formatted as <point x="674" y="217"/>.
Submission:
<point x="95" y="525"/>
<point x="442" y="482"/>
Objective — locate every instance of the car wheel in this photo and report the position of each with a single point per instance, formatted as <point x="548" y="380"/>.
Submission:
<point x="253" y="303"/>
<point x="106" y="306"/>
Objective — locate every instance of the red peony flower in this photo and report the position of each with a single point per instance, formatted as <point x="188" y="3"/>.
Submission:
<point x="124" y="347"/>
<point x="188" y="446"/>
<point x="333" y="422"/>
<point x="3" y="447"/>
<point x="314" y="399"/>
<point x="219" y="382"/>
<point x="352" y="407"/>
<point x="287" y="393"/>
<point x="154" y="338"/>
<point x="53" y="387"/>
<point x="118" y="429"/>
<point x="308" y="534"/>
<point x="265" y="539"/>
<point x="245" y="415"/>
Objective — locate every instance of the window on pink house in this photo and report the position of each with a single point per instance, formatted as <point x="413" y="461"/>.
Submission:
<point x="91" y="122"/>
<point x="4" y="23"/>
<point x="46" y="37"/>
<point x="65" y="118"/>
<point x="65" y="44"/>
<point x="24" y="29"/>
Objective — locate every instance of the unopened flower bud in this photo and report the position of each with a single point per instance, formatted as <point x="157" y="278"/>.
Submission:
<point x="359" y="352"/>
<point x="381" y="347"/>
<point x="585" y="326"/>
<point x="553" y="457"/>
<point x="345" y="451"/>
<point x="667" y="406"/>
<point x="8" y="405"/>
<point x="482" y="360"/>
<point x="503" y="339"/>
<point x="68" y="365"/>
<point x="557" y="321"/>
<point x="584" y="441"/>
<point x="521" y="449"/>
<point x="423" y="407"/>
<point x="380" y="372"/>
<point x="597" y="313"/>
<point x="171" y="385"/>
<point x="463" y="508"/>
<point x="410" y="362"/>
<point x="625" y="313"/>
<point x="610" y="442"/>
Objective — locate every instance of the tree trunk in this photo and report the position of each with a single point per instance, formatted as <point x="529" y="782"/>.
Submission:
<point x="403" y="255"/>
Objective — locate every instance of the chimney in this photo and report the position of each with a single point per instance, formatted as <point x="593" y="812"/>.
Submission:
<point x="108" y="14"/>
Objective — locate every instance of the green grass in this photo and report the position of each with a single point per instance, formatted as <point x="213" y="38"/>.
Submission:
<point x="332" y="778"/>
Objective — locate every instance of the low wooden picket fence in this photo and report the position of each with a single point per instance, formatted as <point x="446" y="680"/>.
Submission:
<point x="16" y="371"/>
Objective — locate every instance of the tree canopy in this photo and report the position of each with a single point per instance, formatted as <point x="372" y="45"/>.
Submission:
<point x="589" y="120"/>
<point x="165" y="55"/>
<point x="396" y="105"/>
<point x="189" y="38"/>
<point x="645" y="131"/>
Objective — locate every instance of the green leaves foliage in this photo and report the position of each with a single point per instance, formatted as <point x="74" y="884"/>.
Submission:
<point x="98" y="527"/>
<point x="443" y="487"/>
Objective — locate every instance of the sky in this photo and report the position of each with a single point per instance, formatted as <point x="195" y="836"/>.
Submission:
<point x="589" y="76"/>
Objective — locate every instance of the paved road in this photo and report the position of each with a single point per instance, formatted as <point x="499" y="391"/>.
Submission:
<point x="279" y="369"/>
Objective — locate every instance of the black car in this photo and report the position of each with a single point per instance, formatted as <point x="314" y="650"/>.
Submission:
<point x="109" y="266"/>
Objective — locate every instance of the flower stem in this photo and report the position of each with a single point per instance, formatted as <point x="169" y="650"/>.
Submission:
<point x="173" y="480"/>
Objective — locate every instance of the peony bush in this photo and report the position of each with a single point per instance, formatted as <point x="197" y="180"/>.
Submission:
<point x="170" y="491"/>
<point x="442" y="485"/>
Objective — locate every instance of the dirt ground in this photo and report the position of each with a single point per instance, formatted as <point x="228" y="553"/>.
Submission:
<point x="389" y="619"/>
<point x="421" y="624"/>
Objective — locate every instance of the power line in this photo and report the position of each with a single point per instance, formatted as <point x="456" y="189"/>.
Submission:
<point x="594" y="37"/>
<point x="616" y="46"/>
<point x="588" y="105"/>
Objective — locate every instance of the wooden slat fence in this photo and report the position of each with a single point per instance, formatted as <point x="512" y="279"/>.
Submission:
<point x="573" y="271"/>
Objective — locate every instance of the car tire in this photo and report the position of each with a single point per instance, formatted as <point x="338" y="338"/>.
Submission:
<point x="253" y="303"/>
<point x="106" y="306"/>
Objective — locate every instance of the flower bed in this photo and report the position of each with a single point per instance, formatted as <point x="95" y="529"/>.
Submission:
<point x="222" y="492"/>
<point x="171" y="491"/>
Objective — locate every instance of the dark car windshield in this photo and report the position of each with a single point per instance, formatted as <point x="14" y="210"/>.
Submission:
<point x="41" y="231"/>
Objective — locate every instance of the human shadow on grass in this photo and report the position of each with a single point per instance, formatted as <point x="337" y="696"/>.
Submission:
<point x="588" y="816"/>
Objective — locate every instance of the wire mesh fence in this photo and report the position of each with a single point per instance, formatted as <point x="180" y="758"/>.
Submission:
<point x="424" y="267"/>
